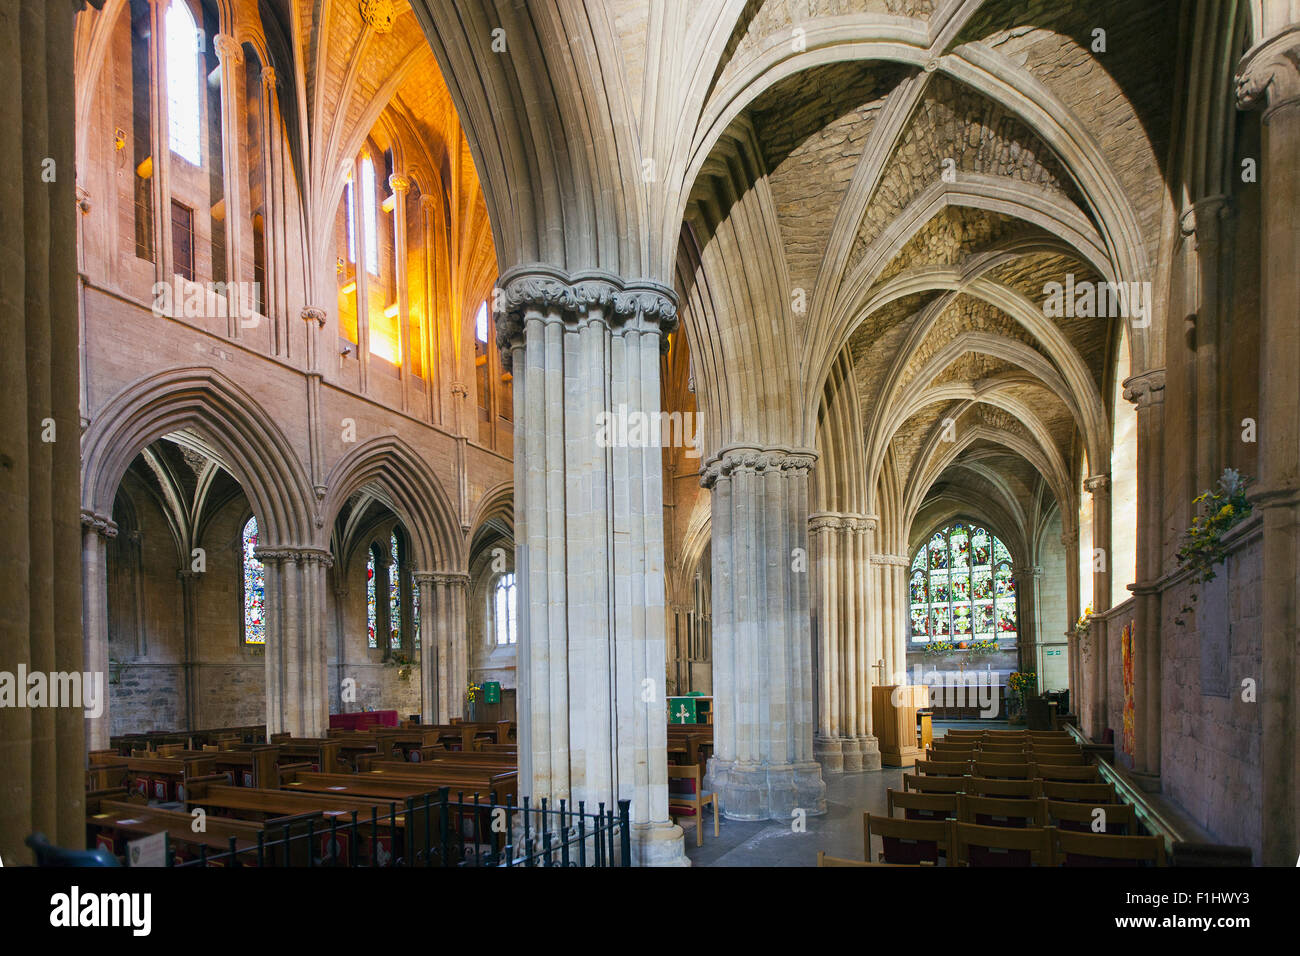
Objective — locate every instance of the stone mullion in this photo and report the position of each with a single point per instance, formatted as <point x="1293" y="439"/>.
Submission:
<point x="160" y="146"/>
<point x="230" y="54"/>
<point x="400" y="186"/>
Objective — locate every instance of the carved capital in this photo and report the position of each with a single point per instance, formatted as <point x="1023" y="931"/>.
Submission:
<point x="296" y="555"/>
<point x="459" y="390"/>
<point x="554" y="294"/>
<point x="1148" y="388"/>
<point x="1097" y="484"/>
<point x="312" y="314"/>
<point x="824" y="522"/>
<point x="228" y="49"/>
<point x="399" y="184"/>
<point x="101" y="524"/>
<point x="1203" y="219"/>
<point x="1268" y="76"/>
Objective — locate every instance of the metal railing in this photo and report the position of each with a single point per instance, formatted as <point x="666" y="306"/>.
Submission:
<point x="438" y="831"/>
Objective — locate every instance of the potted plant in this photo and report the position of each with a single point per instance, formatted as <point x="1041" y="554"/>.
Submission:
<point x="1203" y="548"/>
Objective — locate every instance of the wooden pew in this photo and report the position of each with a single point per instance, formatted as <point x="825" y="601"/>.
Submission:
<point x="117" y="821"/>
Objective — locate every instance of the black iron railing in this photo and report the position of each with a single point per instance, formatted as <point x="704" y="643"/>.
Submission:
<point x="438" y="831"/>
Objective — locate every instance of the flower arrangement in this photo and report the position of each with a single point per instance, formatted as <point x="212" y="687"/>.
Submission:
<point x="939" y="648"/>
<point x="1082" y="632"/>
<point x="983" y="648"/>
<point x="403" y="664"/>
<point x="1203" y="548"/>
<point x="472" y="690"/>
<point x="1022" y="683"/>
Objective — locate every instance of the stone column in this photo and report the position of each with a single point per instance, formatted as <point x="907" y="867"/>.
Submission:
<point x="430" y="701"/>
<point x="585" y="351"/>
<point x="275" y="230"/>
<point x="42" y="750"/>
<point x="1070" y="543"/>
<point x="314" y="320"/>
<point x="428" y="328"/>
<point x="1269" y="78"/>
<point x="231" y="55"/>
<point x="1147" y="391"/>
<point x="96" y="530"/>
<point x="297" y="698"/>
<point x="1099" y="487"/>
<point x="841" y="547"/>
<point x="1026" y="578"/>
<point x="190" y="643"/>
<point x="452" y="642"/>
<point x="763" y="766"/>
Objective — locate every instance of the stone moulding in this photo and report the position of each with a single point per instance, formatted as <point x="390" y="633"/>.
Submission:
<point x="546" y="291"/>
<point x="740" y="460"/>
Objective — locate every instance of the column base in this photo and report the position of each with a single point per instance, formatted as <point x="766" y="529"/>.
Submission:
<point x="829" y="752"/>
<point x="766" y="792"/>
<point x="659" y="844"/>
<point x="869" y="749"/>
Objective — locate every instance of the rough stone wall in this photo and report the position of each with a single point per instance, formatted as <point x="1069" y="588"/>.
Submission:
<point x="1210" y="745"/>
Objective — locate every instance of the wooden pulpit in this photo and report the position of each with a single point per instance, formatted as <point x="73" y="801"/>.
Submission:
<point x="893" y="717"/>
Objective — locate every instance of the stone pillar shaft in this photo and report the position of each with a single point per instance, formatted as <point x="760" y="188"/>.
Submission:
<point x="297" y="698"/>
<point x="585" y="355"/>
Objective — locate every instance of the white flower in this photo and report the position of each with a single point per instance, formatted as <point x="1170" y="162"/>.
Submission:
<point x="1230" y="482"/>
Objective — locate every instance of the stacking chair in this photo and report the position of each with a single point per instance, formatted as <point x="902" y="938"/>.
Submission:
<point x="1004" y="771"/>
<point x="943" y="768"/>
<point x="686" y="798"/>
<point x="921" y="783"/>
<point x="975" y="845"/>
<point x="1117" y="819"/>
<point x="1076" y="774"/>
<point x="906" y="841"/>
<point x="1056" y="757"/>
<point x="996" y="756"/>
<point x="922" y="806"/>
<point x="1102" y="849"/>
<point x="1093" y="793"/>
<point x="1001" y="811"/>
<point x="824" y="859"/>
<point x="1010" y="789"/>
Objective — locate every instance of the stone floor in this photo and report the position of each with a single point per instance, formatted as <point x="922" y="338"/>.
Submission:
<point x="838" y="831"/>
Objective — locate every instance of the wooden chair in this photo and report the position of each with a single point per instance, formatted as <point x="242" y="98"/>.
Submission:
<point x="1001" y="811"/>
<point x="943" y="768"/>
<point x="922" y="806"/>
<point x="951" y="753"/>
<point x="1102" y="849"/>
<point x="975" y="845"/>
<point x="688" y="799"/>
<point x="1094" y="793"/>
<point x="917" y="783"/>
<point x="996" y="756"/>
<point x="824" y="859"/>
<point x="906" y="841"/>
<point x="1118" y="819"/>
<point x="1010" y="789"/>
<point x="1075" y="774"/>
<point x="1059" y="759"/>
<point x="1003" y="771"/>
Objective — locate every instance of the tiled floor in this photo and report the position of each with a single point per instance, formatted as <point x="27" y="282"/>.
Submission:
<point x="838" y="831"/>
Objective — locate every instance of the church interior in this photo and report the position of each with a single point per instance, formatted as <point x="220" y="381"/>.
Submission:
<point x="726" y="433"/>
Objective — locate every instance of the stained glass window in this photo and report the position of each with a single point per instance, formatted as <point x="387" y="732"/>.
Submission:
<point x="254" y="588"/>
<point x="503" y="609"/>
<point x="394" y="596"/>
<point x="183" y="101"/>
<point x="415" y="613"/>
<point x="961" y="587"/>
<point x="370" y="600"/>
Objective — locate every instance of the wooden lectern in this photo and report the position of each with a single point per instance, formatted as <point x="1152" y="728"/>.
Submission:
<point x="893" y="717"/>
